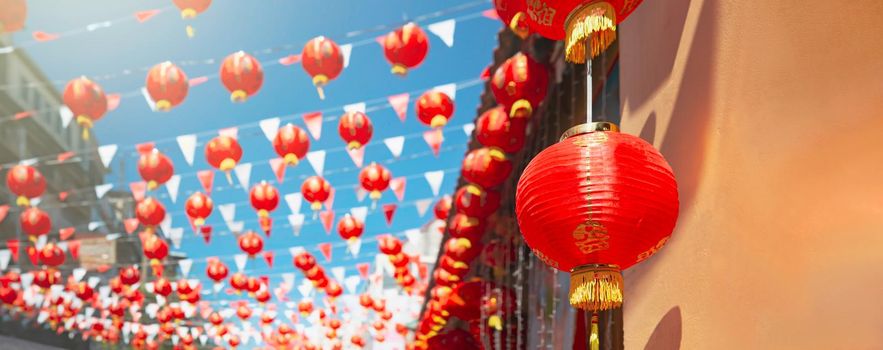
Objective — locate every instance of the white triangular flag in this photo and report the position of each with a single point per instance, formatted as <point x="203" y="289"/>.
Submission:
<point x="360" y="193"/>
<point x="228" y="212"/>
<point x="42" y="316"/>
<point x="468" y="129"/>
<point x="444" y="30"/>
<point x="448" y="89"/>
<point x="294" y="251"/>
<point x="101" y="190"/>
<point x="217" y="287"/>
<point x="305" y="288"/>
<point x="187" y="143"/>
<point x="41" y="242"/>
<point x="355" y="107"/>
<point x="148" y="99"/>
<point x="166" y="226"/>
<point x="351" y="283"/>
<point x="95" y="225"/>
<point x="240" y="260"/>
<point x="112" y="236"/>
<point x="5" y="255"/>
<point x="236" y="226"/>
<point x="359" y="213"/>
<point x="345" y="51"/>
<point x="172" y="186"/>
<point x="395" y="145"/>
<point x="66" y="115"/>
<point x="317" y="161"/>
<point x="185" y="265"/>
<point x="288" y="279"/>
<point x="354" y="246"/>
<point x="203" y="339"/>
<point x="423" y="205"/>
<point x="243" y="173"/>
<point x="78" y="274"/>
<point x="294" y="200"/>
<point x="176" y="234"/>
<point x="297" y="222"/>
<point x="339" y="273"/>
<point x="106" y="154"/>
<point x="94" y="281"/>
<point x="151" y="310"/>
<point x="435" y="179"/>
<point x="270" y="127"/>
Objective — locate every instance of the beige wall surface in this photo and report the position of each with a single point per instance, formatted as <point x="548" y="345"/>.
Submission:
<point x="771" y="114"/>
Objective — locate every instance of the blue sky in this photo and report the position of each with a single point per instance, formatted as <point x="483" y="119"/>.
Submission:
<point x="254" y="26"/>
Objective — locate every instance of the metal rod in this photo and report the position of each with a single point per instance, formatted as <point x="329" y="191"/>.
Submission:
<point x="589" y="92"/>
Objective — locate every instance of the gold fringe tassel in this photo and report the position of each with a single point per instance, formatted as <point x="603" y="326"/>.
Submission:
<point x="596" y="287"/>
<point x="591" y="29"/>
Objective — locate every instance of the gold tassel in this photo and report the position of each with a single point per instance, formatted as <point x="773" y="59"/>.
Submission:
<point x="590" y="30"/>
<point x="596" y="287"/>
<point x="594" y="338"/>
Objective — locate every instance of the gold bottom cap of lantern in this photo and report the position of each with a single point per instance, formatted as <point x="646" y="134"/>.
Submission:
<point x="596" y="287"/>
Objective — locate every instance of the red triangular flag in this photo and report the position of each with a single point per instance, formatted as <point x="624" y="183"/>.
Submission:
<point x="486" y="73"/>
<point x="278" y="166"/>
<point x="12" y="244"/>
<point x="62" y="196"/>
<point x="22" y="115"/>
<point x="289" y="60"/>
<point x="363" y="269"/>
<point x="146" y="147"/>
<point x="491" y="14"/>
<point x="74" y="248"/>
<point x="102" y="268"/>
<point x="64" y="156"/>
<point x="43" y="36"/>
<point x="399" y="104"/>
<point x="113" y="101"/>
<point x="268" y="256"/>
<point x="398" y="187"/>
<point x="143" y="235"/>
<point x="265" y="280"/>
<point x="327" y="218"/>
<point x="206" y="231"/>
<point x="197" y="81"/>
<point x="313" y="121"/>
<point x="434" y="139"/>
<point x="389" y="211"/>
<point x="325" y="248"/>
<point x="207" y="179"/>
<point x="422" y="270"/>
<point x="131" y="225"/>
<point x="381" y="39"/>
<point x="146" y="15"/>
<point x="139" y="188"/>
<point x="33" y="255"/>
<point x="4" y="210"/>
<point x="66" y="233"/>
<point x="357" y="155"/>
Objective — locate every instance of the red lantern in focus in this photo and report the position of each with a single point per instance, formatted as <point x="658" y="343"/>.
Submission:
<point x="291" y="143"/>
<point x="374" y="179"/>
<point x="633" y="197"/>
<point x="355" y="129"/>
<point x="315" y="191"/>
<point x="129" y="275"/>
<point x="167" y="85"/>
<point x="520" y="84"/>
<point x="434" y="108"/>
<point x="442" y="208"/>
<point x="217" y="271"/>
<point x="150" y="212"/>
<point x="35" y="222"/>
<point x="13" y="16"/>
<point x="405" y="48"/>
<point x="264" y="199"/>
<point x="191" y="8"/>
<point x="350" y="228"/>
<point x="321" y="59"/>
<point x="476" y="202"/>
<point x="251" y="243"/>
<point x="87" y="101"/>
<point x="26" y="182"/>
<point x="242" y="75"/>
<point x="155" y="168"/>
<point x="223" y="153"/>
<point x="198" y="208"/>
<point x="51" y="255"/>
<point x="513" y="14"/>
<point x="494" y="128"/>
<point x="486" y="167"/>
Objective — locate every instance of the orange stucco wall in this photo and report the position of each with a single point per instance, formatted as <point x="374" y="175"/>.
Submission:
<point x="771" y="114"/>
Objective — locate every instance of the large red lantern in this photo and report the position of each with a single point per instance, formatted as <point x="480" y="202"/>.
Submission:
<point x="355" y="129"/>
<point x="251" y="243"/>
<point x="198" y="208"/>
<point x="315" y="191"/>
<point x="350" y="228"/>
<point x="594" y="204"/>
<point x="87" y="101"/>
<point x="51" y="255"/>
<point x="476" y="202"/>
<point x="264" y="199"/>
<point x="223" y="153"/>
<point x="26" y="182"/>
<point x="35" y="222"/>
<point x="13" y="16"/>
<point x="155" y="168"/>
<point x="322" y="60"/>
<point x="494" y="128"/>
<point x="191" y="8"/>
<point x="291" y="143"/>
<point x="434" y="108"/>
<point x="242" y="75"/>
<point x="217" y="271"/>
<point x="520" y="84"/>
<point x="486" y="167"/>
<point x="405" y="48"/>
<point x="374" y="179"/>
<point x="513" y="14"/>
<point x="167" y="85"/>
<point x="150" y="212"/>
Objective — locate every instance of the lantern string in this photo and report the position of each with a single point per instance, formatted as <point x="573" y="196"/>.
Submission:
<point x="589" y="92"/>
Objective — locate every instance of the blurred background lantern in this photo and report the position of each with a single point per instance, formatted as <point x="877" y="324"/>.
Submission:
<point x="520" y="84"/>
<point x="434" y="108"/>
<point x="264" y="199"/>
<point x="321" y="59"/>
<point x="242" y="75"/>
<point x="405" y="48"/>
<point x="316" y="191"/>
<point x="167" y="85"/>
<point x="251" y="243"/>
<point x="355" y="129"/>
<point x="155" y="168"/>
<point x="87" y="101"/>
<point x="223" y="153"/>
<point x="198" y="208"/>
<point x="374" y="179"/>
<point x="35" y="223"/>
<point x="26" y="182"/>
<point x="291" y="143"/>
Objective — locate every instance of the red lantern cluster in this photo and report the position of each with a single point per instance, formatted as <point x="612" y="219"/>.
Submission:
<point x="167" y="85"/>
<point x="405" y="48"/>
<point x="87" y="101"/>
<point x="520" y="85"/>
<point x="26" y="182"/>
<point x="392" y="248"/>
<point x="242" y="75"/>
<point x="291" y="143"/>
<point x="355" y="129"/>
<point x="155" y="168"/>
<point x="311" y="269"/>
<point x="321" y="59"/>
<point x="434" y="108"/>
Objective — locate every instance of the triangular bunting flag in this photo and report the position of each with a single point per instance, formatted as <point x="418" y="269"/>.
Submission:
<point x="65" y="233"/>
<point x="485" y="74"/>
<point x="491" y="14"/>
<point x="62" y="196"/>
<point x="138" y="188"/>
<point x="317" y="161"/>
<point x="172" y="187"/>
<point x="66" y="115"/>
<point x="197" y="81"/>
<point x="327" y="218"/>
<point x="145" y="148"/>
<point x="444" y="30"/>
<point x="206" y="179"/>
<point x="268" y="257"/>
<point x="131" y="225"/>
<point x="395" y="145"/>
<point x="305" y="288"/>
<point x="313" y="121"/>
<point x="243" y="174"/>
<point x="4" y="211"/>
<point x="95" y="225"/>
<point x="295" y="202"/>
<point x="359" y="213"/>
<point x="270" y="127"/>
<point x="78" y="273"/>
<point x="398" y="187"/>
<point x="389" y="211"/>
<point x="236" y="227"/>
<point x="422" y="205"/>
<point x="166" y="226"/>
<point x="228" y="211"/>
<point x="339" y="273"/>
<point x="297" y="222"/>
<point x="468" y="128"/>
<point x="185" y="265"/>
<point x="434" y="139"/>
<point x="363" y="269"/>
<point x="144" y="16"/>
<point x="355" y="107"/>
<point x="352" y="284"/>
<point x="232" y="131"/>
<point x="325" y="249"/>
<point x="176" y="235"/>
<point x="399" y="104"/>
<point x="187" y="144"/>
<point x="360" y="193"/>
<point x="354" y="246"/>
<point x="106" y="153"/>
<point x="240" y="260"/>
<point x="448" y="89"/>
<point x="435" y="179"/>
<point x="278" y="166"/>
<point x="149" y="100"/>
<point x="329" y="203"/>
<point x="357" y="155"/>
<point x="289" y="60"/>
<point x="5" y="255"/>
<point x="101" y="190"/>
<point x="346" y="51"/>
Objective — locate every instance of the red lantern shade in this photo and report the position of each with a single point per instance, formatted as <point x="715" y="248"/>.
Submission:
<point x="486" y="167"/>
<point x="374" y="179"/>
<point x="405" y="48"/>
<point x="129" y="275"/>
<point x="304" y="261"/>
<point x="264" y="198"/>
<point x="87" y="101"/>
<point x="217" y="271"/>
<point x="321" y="59"/>
<point x="350" y="228"/>
<point x="198" y="208"/>
<point x="215" y="319"/>
<point x="161" y="286"/>
<point x="167" y="85"/>
<point x="251" y="243"/>
<point x="46" y="278"/>
<point x="442" y="208"/>
<point x="13" y="16"/>
<point x="389" y="245"/>
<point x="333" y="289"/>
<point x="434" y="108"/>
<point x="83" y="291"/>
<point x="155" y="168"/>
<point x="462" y="249"/>
<point x="150" y="212"/>
<point x="242" y="75"/>
<point x="244" y="312"/>
<point x="494" y="128"/>
<point x="315" y="191"/>
<point x="520" y="84"/>
<point x="305" y="307"/>
<point x="155" y="249"/>
<point x="35" y="222"/>
<point x="51" y="255"/>
<point x="593" y="204"/>
<point x="513" y="14"/>
<point x="26" y="182"/>
<point x="587" y="26"/>
<point x="291" y="143"/>
<point x="190" y="8"/>
<point x="262" y="296"/>
<point x="223" y="153"/>
<point x="238" y="281"/>
<point x="355" y="129"/>
<point x="476" y="202"/>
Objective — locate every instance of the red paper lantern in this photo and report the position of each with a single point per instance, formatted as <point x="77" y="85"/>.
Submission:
<point x="83" y="291"/>
<point x="513" y="14"/>
<point x="251" y="243"/>
<point x="405" y="48"/>
<point x="304" y="261"/>
<point x="374" y="179"/>
<point x="462" y="249"/>
<point x="198" y="208"/>
<point x="253" y="285"/>
<point x="51" y="255"/>
<point x="155" y="168"/>
<point x="350" y="228"/>
<point x="494" y="128"/>
<point x="162" y="286"/>
<point x="87" y="101"/>
<point x="215" y="319"/>
<point x="35" y="222"/>
<point x="238" y="281"/>
<point x="434" y="108"/>
<point x="223" y="153"/>
<point x="244" y="312"/>
<point x="242" y="75"/>
<point x="262" y="296"/>
<point x="463" y="226"/>
<point x="167" y="85"/>
<point x="217" y="271"/>
<point x="442" y="208"/>
<point x="291" y="143"/>
<point x="233" y="341"/>
<point x="389" y="245"/>
<point x="355" y="129"/>
<point x="596" y="203"/>
<point x="46" y="278"/>
<point x="184" y="287"/>
<point x="155" y="249"/>
<point x="476" y="202"/>
<point x="190" y="8"/>
<point x="129" y="275"/>
<point x="26" y="182"/>
<point x="150" y="212"/>
<point x="357" y="341"/>
<point x="315" y="191"/>
<point x="520" y="84"/>
<point x="321" y="59"/>
<point x="13" y="16"/>
<point x="333" y="289"/>
<point x="305" y="307"/>
<point x="264" y="198"/>
<point x="486" y="167"/>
